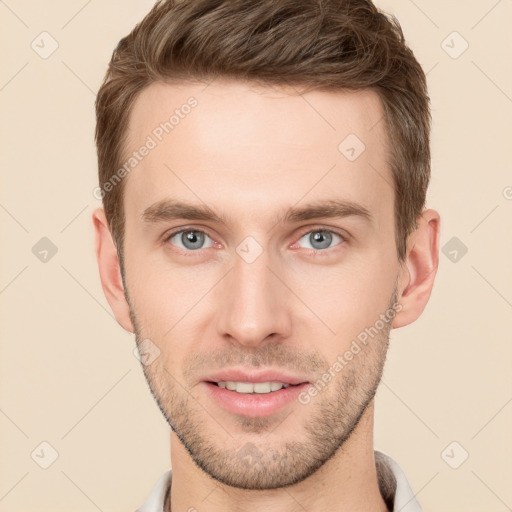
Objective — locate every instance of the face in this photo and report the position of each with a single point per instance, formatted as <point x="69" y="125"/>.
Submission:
<point x="297" y="261"/>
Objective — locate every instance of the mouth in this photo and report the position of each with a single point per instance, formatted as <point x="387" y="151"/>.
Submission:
<point x="253" y="399"/>
<point x="259" y="388"/>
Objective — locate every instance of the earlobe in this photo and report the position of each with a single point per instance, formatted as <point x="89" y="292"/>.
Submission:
<point x="419" y="269"/>
<point x="110" y="271"/>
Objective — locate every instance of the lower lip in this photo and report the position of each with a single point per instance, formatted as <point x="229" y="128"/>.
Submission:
<point x="254" y="405"/>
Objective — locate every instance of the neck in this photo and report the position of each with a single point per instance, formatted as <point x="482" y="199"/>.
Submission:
<point x="346" y="482"/>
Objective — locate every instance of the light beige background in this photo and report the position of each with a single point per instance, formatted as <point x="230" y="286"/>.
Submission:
<point x="68" y="373"/>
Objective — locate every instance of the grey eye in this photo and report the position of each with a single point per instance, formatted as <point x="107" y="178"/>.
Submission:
<point x="319" y="239"/>
<point x="190" y="240"/>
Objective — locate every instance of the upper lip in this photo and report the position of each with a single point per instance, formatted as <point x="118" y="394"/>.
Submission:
<point x="240" y="375"/>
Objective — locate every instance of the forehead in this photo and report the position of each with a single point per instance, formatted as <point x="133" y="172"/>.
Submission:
<point x="245" y="143"/>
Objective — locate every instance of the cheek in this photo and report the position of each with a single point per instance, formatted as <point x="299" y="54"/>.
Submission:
<point x="347" y="298"/>
<point x="163" y="295"/>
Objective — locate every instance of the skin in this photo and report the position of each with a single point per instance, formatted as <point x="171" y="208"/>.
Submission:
<point x="250" y="153"/>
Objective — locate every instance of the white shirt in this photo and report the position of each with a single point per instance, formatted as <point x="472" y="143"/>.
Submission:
<point x="393" y="484"/>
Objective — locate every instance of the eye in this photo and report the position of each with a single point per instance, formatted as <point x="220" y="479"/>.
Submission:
<point x="189" y="239"/>
<point x="320" y="239"/>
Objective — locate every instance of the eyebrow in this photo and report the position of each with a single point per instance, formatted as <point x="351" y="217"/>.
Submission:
<point x="167" y="209"/>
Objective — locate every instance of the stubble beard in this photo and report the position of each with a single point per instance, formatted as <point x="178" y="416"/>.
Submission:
<point x="263" y="453"/>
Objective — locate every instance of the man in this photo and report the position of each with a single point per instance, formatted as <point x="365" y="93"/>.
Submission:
<point x="263" y="167"/>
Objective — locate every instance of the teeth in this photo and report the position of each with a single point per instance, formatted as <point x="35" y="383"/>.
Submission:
<point x="256" y="387"/>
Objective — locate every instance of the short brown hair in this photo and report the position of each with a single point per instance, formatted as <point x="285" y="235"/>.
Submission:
<point x="317" y="44"/>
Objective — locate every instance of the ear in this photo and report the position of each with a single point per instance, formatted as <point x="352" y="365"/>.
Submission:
<point x="110" y="270"/>
<point x="419" y="269"/>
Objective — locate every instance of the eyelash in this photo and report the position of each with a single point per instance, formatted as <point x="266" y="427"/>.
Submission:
<point x="314" y="252"/>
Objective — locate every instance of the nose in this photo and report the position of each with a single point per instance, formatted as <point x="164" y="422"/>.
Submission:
<point x="254" y="303"/>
